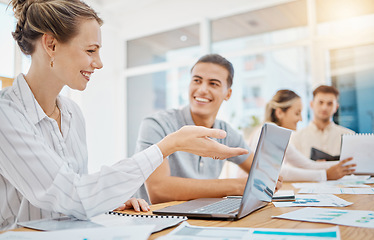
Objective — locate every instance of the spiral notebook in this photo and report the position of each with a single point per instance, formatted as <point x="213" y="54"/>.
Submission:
<point x="110" y="219"/>
<point x="361" y="148"/>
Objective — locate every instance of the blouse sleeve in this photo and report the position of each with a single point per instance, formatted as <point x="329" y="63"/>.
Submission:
<point x="296" y="167"/>
<point x="291" y="173"/>
<point x="47" y="181"/>
<point x="295" y="158"/>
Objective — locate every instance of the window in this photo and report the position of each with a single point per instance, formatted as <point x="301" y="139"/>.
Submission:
<point x="258" y="77"/>
<point x="164" y="87"/>
<point x="352" y="72"/>
<point x="290" y="45"/>
<point x="153" y="92"/>
<point x="7" y="43"/>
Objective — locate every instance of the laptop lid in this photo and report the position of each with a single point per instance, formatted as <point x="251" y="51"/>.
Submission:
<point x="265" y="169"/>
<point x="261" y="180"/>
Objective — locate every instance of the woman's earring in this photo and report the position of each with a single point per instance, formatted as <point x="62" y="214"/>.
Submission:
<point x="52" y="62"/>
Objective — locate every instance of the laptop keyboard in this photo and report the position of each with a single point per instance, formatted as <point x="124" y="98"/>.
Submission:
<point x="226" y="206"/>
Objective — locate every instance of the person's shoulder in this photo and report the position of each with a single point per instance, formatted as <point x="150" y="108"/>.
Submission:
<point x="8" y="99"/>
<point x="169" y="120"/>
<point x="10" y="108"/>
<point x="4" y="92"/>
<point x="164" y="114"/>
<point x="343" y="130"/>
<point x="9" y="93"/>
<point x="299" y="132"/>
<point x="5" y="102"/>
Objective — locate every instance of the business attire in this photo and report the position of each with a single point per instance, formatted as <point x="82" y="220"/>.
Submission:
<point x="296" y="167"/>
<point x="328" y="140"/>
<point x="43" y="172"/>
<point x="182" y="164"/>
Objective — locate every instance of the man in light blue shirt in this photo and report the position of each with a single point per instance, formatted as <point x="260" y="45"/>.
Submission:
<point x="184" y="176"/>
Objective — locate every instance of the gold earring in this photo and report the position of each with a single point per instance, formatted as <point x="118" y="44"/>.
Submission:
<point x="52" y="62"/>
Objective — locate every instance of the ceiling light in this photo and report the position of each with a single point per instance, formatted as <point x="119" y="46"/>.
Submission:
<point x="183" y="38"/>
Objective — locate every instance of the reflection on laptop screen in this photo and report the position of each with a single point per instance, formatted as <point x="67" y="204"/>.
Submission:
<point x="265" y="168"/>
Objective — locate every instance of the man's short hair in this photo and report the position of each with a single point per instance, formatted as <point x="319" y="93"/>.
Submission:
<point x="326" y="89"/>
<point x="219" y="60"/>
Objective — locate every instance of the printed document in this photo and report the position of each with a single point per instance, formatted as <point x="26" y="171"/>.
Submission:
<point x="333" y="190"/>
<point x="188" y="232"/>
<point x="320" y="200"/>
<point x="138" y="232"/>
<point x="354" y="218"/>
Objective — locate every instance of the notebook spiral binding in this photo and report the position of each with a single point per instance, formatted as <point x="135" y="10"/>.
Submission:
<point x="146" y="216"/>
<point x="359" y="134"/>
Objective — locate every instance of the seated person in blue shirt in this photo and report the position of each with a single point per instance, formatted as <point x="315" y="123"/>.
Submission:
<point x="184" y="176"/>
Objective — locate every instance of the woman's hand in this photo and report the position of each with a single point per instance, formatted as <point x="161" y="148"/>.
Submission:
<point x="198" y="140"/>
<point x="339" y="170"/>
<point x="136" y="204"/>
<point x="279" y="183"/>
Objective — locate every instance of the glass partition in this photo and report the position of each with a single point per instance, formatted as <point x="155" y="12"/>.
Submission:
<point x="7" y="43"/>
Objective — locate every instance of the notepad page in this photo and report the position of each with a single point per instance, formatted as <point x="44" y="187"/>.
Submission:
<point x="118" y="219"/>
<point x="361" y="148"/>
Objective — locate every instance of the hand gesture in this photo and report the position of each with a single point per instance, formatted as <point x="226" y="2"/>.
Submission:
<point x="198" y="140"/>
<point x="339" y="170"/>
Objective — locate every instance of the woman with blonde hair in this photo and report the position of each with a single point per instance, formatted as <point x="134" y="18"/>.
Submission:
<point x="43" y="152"/>
<point x="284" y="109"/>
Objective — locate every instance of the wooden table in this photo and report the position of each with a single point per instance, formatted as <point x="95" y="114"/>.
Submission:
<point x="262" y="218"/>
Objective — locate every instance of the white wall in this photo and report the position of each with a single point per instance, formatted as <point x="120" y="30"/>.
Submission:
<point x="102" y="104"/>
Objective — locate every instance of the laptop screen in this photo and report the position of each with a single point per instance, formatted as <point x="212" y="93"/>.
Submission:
<point x="265" y="169"/>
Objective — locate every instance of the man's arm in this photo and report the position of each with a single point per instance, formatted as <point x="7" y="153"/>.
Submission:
<point x="162" y="187"/>
<point x="246" y="165"/>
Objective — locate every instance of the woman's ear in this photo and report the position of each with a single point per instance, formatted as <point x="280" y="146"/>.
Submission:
<point x="49" y="44"/>
<point x="279" y="114"/>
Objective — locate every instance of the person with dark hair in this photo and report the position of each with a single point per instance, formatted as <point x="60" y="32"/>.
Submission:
<point x="284" y="110"/>
<point x="184" y="176"/>
<point x="43" y="152"/>
<point x="321" y="133"/>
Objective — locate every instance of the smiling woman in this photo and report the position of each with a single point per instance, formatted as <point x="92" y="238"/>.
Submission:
<point x="43" y="152"/>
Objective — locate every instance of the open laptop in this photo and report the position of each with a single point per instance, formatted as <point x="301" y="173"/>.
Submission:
<point x="260" y="186"/>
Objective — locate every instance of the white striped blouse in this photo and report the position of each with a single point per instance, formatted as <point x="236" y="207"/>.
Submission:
<point x="43" y="173"/>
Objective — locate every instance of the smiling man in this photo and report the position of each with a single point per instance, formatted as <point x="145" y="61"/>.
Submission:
<point x="185" y="176"/>
<point x="322" y="133"/>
